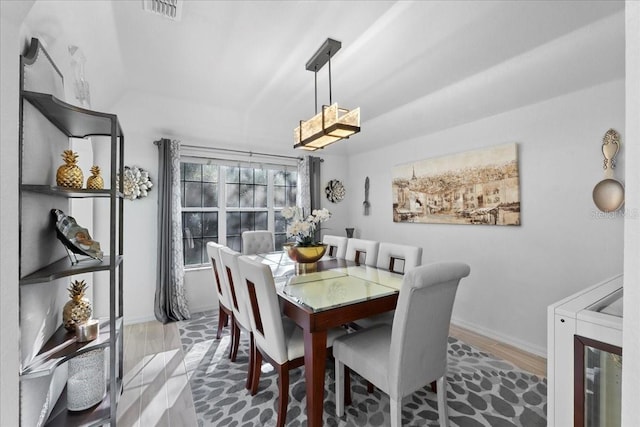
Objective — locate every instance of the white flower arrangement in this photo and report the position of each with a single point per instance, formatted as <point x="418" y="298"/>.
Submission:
<point x="303" y="228"/>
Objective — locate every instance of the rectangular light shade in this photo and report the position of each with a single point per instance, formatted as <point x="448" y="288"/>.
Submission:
<point x="331" y="125"/>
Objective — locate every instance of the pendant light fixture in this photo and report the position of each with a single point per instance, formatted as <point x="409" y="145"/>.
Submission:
<point x="333" y="123"/>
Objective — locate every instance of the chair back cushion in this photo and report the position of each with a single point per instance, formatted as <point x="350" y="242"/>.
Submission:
<point x="256" y="242"/>
<point x="224" y="296"/>
<point x="337" y="245"/>
<point x="239" y="302"/>
<point x="264" y="313"/>
<point x="398" y="258"/>
<point x="357" y="249"/>
<point x="418" y="352"/>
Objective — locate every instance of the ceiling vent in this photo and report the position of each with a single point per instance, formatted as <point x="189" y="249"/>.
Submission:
<point x="171" y="9"/>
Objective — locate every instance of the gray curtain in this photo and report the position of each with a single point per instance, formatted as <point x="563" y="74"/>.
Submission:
<point x="309" y="190"/>
<point x="170" y="301"/>
<point x="304" y="189"/>
<point x="314" y="182"/>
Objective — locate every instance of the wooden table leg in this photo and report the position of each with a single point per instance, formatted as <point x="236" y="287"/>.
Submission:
<point x="315" y="354"/>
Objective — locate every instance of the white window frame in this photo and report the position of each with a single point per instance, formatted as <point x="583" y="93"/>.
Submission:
<point x="222" y="208"/>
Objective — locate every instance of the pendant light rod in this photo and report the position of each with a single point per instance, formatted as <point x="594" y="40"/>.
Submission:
<point x="315" y="78"/>
<point x="330" y="98"/>
<point x="317" y="61"/>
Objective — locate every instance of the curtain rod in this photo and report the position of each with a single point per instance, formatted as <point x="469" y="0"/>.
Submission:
<point x="229" y="150"/>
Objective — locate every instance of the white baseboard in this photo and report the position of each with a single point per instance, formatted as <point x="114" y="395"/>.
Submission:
<point x="139" y="319"/>
<point x="522" y="345"/>
<point x="143" y="319"/>
<point x="200" y="309"/>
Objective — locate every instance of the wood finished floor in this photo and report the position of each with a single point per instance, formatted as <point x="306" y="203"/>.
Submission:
<point x="156" y="388"/>
<point x="155" y="385"/>
<point x="522" y="359"/>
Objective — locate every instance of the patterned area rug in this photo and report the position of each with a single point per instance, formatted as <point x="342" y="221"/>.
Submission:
<point x="482" y="390"/>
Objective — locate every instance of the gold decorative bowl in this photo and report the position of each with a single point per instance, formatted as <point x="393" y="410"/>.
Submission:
<point x="304" y="254"/>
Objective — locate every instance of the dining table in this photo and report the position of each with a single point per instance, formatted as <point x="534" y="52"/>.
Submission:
<point x="337" y="293"/>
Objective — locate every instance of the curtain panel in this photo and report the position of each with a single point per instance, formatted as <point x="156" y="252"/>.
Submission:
<point x="309" y="186"/>
<point x="170" y="301"/>
<point x="304" y="187"/>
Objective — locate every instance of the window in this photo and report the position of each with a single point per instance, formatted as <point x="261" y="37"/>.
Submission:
<point x="220" y="201"/>
<point x="199" y="195"/>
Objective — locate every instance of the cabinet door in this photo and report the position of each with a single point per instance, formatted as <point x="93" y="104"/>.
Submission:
<point x="565" y="328"/>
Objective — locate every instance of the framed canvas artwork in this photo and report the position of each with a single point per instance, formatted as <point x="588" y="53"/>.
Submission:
<point x="474" y="187"/>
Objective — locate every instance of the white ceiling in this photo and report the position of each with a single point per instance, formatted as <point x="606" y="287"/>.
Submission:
<point x="231" y="73"/>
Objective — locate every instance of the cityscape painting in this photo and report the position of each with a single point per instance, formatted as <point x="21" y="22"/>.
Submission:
<point x="474" y="187"/>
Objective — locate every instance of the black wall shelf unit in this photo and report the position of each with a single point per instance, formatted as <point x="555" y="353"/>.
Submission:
<point x="46" y="125"/>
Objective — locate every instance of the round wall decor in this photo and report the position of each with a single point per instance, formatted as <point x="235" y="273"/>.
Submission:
<point x="334" y="191"/>
<point x="136" y="183"/>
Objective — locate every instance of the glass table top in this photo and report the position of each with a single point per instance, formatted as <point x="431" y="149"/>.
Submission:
<point x="376" y="275"/>
<point x="333" y="291"/>
<point x="330" y="288"/>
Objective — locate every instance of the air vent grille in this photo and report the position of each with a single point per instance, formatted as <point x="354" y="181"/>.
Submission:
<point x="171" y="9"/>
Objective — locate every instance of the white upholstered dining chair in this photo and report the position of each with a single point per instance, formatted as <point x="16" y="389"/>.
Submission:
<point x="362" y="251"/>
<point x="404" y="357"/>
<point x="257" y="241"/>
<point x="278" y="339"/>
<point x="224" y="296"/>
<point x="396" y="258"/>
<point x="337" y="245"/>
<point x="239" y="306"/>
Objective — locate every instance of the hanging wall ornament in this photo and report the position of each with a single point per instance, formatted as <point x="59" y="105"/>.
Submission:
<point x="608" y="194"/>
<point x="136" y="183"/>
<point x="335" y="191"/>
<point x="366" y="205"/>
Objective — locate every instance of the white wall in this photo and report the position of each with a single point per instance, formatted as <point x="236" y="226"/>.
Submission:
<point x="11" y="15"/>
<point x="631" y="144"/>
<point x="562" y="245"/>
<point x="335" y="167"/>
<point x="140" y="229"/>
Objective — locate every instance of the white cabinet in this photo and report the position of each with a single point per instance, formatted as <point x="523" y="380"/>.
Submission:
<point x="594" y="313"/>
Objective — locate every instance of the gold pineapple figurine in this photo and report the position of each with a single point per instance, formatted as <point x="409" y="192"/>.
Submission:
<point x="69" y="175"/>
<point x="95" y="181"/>
<point x="78" y="309"/>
